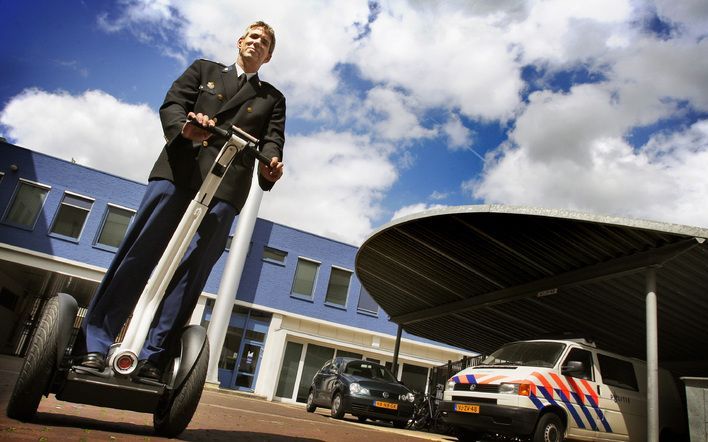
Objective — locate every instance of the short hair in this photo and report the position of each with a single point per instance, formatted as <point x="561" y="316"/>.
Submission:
<point x="268" y="30"/>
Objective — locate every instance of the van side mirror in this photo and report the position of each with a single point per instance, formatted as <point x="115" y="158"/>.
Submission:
<point x="573" y="368"/>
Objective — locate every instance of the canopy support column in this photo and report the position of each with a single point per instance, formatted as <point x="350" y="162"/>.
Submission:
<point x="396" y="348"/>
<point x="652" y="358"/>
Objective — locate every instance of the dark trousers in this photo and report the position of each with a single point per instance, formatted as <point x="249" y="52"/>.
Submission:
<point x="156" y="220"/>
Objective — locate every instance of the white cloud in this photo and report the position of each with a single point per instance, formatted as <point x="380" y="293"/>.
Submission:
<point x="690" y="15"/>
<point x="333" y="185"/>
<point x="398" y="115"/>
<point x="93" y="128"/>
<point x="415" y="208"/>
<point x="663" y="181"/>
<point x="458" y="135"/>
<point x="561" y="32"/>
<point x="467" y="66"/>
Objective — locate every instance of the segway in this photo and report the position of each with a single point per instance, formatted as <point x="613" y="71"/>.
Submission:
<point x="173" y="400"/>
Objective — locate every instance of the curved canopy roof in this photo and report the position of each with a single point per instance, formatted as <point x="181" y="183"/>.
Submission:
<point x="479" y="276"/>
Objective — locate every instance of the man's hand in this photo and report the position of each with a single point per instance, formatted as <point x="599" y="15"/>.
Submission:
<point x="273" y="171"/>
<point x="191" y="129"/>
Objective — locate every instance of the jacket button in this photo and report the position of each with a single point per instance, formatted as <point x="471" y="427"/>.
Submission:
<point x="220" y="97"/>
<point x="205" y="143"/>
<point x="249" y="109"/>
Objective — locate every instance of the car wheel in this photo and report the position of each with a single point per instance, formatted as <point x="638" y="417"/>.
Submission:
<point x="549" y="429"/>
<point x="361" y="418"/>
<point x="311" y="407"/>
<point x="337" y="406"/>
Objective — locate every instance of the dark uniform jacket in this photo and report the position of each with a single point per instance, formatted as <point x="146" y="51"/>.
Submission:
<point x="212" y="89"/>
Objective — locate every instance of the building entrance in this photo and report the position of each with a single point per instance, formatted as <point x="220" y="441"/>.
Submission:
<point x="243" y="346"/>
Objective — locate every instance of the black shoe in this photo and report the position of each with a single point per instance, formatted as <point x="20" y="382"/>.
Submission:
<point x="149" y="370"/>
<point x="97" y="361"/>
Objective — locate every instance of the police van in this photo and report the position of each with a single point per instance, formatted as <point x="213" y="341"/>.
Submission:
<point x="552" y="390"/>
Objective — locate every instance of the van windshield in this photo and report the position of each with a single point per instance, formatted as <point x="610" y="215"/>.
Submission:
<point x="530" y="354"/>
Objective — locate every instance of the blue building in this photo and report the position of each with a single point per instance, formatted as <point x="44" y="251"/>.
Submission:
<point x="299" y="302"/>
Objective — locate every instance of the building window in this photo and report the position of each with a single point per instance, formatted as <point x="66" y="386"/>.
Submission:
<point x="71" y="217"/>
<point x="288" y="371"/>
<point x="338" y="287"/>
<point x="305" y="276"/>
<point x="27" y="204"/>
<point x="274" y="255"/>
<point x="367" y="304"/>
<point x="115" y="224"/>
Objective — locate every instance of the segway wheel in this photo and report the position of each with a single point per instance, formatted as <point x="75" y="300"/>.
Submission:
<point x="176" y="413"/>
<point x="36" y="373"/>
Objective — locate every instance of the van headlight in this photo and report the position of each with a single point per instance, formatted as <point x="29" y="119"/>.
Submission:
<point x="410" y="397"/>
<point x="450" y="385"/>
<point x="355" y="388"/>
<point x="519" y="389"/>
<point x="508" y="388"/>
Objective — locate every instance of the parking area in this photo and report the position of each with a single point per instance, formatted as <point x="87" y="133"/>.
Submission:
<point x="221" y="416"/>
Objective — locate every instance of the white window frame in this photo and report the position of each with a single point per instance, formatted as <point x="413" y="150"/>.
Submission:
<point x="61" y="204"/>
<point x="20" y="182"/>
<point x="311" y="296"/>
<point x="349" y="287"/>
<point x="103" y="225"/>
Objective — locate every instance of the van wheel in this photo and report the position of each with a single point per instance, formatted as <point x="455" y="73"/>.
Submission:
<point x="549" y="429"/>
<point x="464" y="435"/>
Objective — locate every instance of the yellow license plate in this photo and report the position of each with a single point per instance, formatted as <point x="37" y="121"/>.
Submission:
<point x="464" y="408"/>
<point x="388" y="405"/>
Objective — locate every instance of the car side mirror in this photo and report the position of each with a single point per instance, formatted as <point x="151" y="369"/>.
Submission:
<point x="573" y="368"/>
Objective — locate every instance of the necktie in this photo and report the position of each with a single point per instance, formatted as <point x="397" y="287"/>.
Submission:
<point x="242" y="80"/>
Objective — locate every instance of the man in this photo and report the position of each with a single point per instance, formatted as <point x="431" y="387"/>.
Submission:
<point x="211" y="94"/>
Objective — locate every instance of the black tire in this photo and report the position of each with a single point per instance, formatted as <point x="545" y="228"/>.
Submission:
<point x="337" y="408"/>
<point x="467" y="435"/>
<point x="549" y="428"/>
<point x="311" y="407"/>
<point x="361" y="419"/>
<point x="400" y="424"/>
<point x="174" y="415"/>
<point x="38" y="368"/>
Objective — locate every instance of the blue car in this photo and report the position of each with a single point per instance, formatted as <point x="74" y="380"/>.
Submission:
<point x="362" y="388"/>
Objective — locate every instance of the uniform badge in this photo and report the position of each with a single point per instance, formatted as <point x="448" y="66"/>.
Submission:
<point x="210" y="85"/>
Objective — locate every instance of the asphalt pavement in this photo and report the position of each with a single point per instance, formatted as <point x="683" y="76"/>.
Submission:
<point x="222" y="415"/>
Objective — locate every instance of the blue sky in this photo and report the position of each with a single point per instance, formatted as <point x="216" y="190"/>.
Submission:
<point x="393" y="106"/>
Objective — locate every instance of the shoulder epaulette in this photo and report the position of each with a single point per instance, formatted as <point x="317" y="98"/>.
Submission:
<point x="215" y="62"/>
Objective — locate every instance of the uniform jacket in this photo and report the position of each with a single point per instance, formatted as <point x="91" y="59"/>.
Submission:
<point x="212" y="89"/>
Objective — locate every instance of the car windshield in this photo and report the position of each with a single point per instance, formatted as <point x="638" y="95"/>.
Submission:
<point x="369" y="370"/>
<point x="532" y="354"/>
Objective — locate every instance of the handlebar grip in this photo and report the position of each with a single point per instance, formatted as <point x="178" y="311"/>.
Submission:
<point x="251" y="142"/>
<point x="215" y="130"/>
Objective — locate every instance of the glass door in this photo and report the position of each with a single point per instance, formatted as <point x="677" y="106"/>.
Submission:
<point x="247" y="373"/>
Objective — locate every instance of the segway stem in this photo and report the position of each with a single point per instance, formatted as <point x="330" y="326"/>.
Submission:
<point x="124" y="359"/>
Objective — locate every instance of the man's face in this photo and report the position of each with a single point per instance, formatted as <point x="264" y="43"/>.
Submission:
<point x="253" y="47"/>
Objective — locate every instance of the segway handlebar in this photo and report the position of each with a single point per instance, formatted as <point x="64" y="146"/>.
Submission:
<point x="251" y="142"/>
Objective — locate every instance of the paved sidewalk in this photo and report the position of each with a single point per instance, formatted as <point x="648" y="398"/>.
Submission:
<point x="222" y="415"/>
